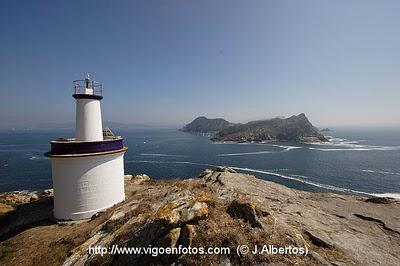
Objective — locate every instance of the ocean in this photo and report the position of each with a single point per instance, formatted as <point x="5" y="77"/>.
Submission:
<point x="362" y="162"/>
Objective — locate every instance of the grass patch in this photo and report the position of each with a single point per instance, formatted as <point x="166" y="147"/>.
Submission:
<point x="5" y="250"/>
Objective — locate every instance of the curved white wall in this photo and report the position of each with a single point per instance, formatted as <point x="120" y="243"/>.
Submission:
<point x="84" y="186"/>
<point x="88" y="120"/>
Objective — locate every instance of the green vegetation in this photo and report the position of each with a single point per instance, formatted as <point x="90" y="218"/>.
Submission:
<point x="5" y="250"/>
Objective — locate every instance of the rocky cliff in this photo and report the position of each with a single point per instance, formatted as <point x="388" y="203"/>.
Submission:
<point x="219" y="208"/>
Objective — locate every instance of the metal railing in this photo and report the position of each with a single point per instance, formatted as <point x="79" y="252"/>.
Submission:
<point x="87" y="86"/>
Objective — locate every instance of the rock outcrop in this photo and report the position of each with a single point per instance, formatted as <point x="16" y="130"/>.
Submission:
<point x="220" y="208"/>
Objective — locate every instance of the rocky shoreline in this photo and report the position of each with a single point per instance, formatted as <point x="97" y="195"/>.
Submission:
<point x="219" y="208"/>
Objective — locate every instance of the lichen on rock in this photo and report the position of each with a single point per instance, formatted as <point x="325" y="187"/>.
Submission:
<point x="221" y="208"/>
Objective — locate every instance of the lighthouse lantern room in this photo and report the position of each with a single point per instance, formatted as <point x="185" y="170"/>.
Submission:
<point x="88" y="170"/>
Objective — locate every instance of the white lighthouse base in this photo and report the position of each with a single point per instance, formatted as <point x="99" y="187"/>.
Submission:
<point x="85" y="185"/>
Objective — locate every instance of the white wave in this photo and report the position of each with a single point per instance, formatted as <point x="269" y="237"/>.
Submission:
<point x="387" y="195"/>
<point x="262" y="143"/>
<point x="359" y="148"/>
<point x="380" y="172"/>
<point x="244" y="153"/>
<point x="234" y="143"/>
<point x="169" y="162"/>
<point x="336" y="142"/>
<point x="296" y="178"/>
<point x="301" y="176"/>
<point x="158" y="154"/>
<point x="284" y="149"/>
<point x="279" y="169"/>
<point x="333" y="142"/>
<point x="349" y="145"/>
<point x="32" y="158"/>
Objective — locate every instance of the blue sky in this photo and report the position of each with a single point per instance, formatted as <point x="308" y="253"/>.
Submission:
<point x="166" y="62"/>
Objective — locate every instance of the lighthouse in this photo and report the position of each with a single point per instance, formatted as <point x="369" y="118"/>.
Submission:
<point x="87" y="170"/>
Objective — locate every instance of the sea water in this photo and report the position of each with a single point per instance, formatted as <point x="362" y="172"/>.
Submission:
<point x="363" y="162"/>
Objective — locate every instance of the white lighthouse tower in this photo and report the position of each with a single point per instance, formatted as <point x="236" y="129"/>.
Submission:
<point x="88" y="170"/>
<point x="88" y="114"/>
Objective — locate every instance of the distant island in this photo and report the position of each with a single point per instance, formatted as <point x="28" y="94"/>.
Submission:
<point x="295" y="128"/>
<point x="203" y="124"/>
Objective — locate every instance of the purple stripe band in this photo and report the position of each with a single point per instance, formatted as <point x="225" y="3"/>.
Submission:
<point x="74" y="147"/>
